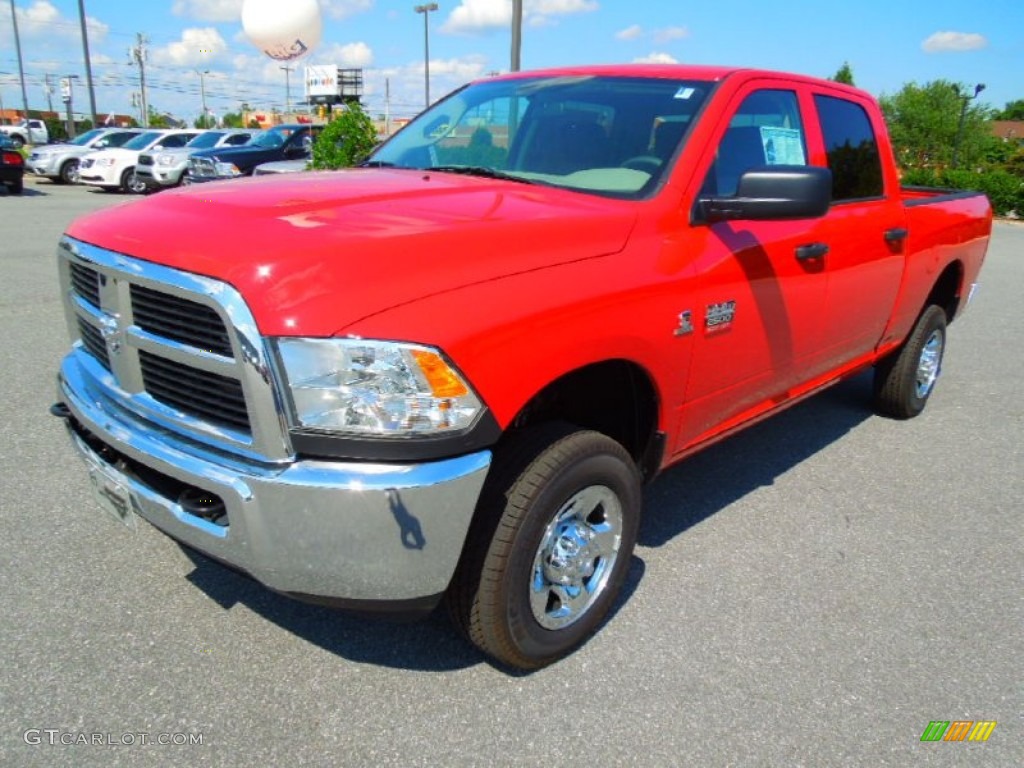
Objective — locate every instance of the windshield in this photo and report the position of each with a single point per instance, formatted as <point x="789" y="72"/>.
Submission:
<point x="143" y="140"/>
<point x="205" y="140"/>
<point x="273" y="138"/>
<point x="84" y="138"/>
<point x="612" y="136"/>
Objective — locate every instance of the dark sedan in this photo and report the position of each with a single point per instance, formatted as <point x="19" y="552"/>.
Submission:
<point x="12" y="165"/>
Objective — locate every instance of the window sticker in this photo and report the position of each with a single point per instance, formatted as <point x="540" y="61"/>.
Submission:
<point x="684" y="93"/>
<point x="782" y="146"/>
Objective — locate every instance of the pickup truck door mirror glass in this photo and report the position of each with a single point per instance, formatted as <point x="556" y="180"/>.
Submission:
<point x="772" y="192"/>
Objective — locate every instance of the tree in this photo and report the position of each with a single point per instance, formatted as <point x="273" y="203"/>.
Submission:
<point x="205" y="121"/>
<point x="233" y="120"/>
<point x="346" y="140"/>
<point x="844" y="75"/>
<point x="1014" y="111"/>
<point x="924" y="122"/>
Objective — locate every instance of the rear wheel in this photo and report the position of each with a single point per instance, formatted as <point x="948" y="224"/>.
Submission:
<point x="551" y="545"/>
<point x="18" y="141"/>
<point x="906" y="378"/>
<point x="16" y="186"/>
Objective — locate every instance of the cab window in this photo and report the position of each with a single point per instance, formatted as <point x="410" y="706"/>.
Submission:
<point x="851" y="147"/>
<point x="765" y="130"/>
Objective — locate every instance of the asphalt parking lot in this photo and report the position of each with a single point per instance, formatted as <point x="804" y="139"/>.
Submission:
<point x="812" y="592"/>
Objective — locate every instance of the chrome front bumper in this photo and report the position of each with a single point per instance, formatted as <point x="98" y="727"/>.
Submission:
<point x="346" y="531"/>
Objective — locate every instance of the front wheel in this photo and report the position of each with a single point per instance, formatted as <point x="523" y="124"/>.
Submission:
<point x="69" y="172"/>
<point x="906" y="378"/>
<point x="551" y="545"/>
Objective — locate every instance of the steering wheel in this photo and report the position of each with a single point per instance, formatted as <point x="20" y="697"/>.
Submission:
<point x="645" y="163"/>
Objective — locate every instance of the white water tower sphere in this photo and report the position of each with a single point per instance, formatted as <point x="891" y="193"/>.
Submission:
<point x="283" y="29"/>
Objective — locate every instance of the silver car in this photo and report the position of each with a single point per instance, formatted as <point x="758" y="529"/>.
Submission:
<point x="165" y="168"/>
<point x="60" y="161"/>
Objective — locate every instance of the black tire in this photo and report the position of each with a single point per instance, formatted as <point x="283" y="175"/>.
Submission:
<point x="130" y="182"/>
<point x="905" y="379"/>
<point x="18" y="141"/>
<point x="69" y="172"/>
<point x="15" y="187"/>
<point x="503" y="597"/>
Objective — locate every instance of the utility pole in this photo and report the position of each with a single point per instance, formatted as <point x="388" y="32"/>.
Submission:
<point x="517" y="33"/>
<point x="139" y="56"/>
<point x="202" y="91"/>
<point x="287" y="88"/>
<point x="21" y="66"/>
<point x="88" y="64"/>
<point x="425" y="10"/>
<point x="49" y="94"/>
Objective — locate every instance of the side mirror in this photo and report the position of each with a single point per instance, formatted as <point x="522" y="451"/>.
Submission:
<point x="772" y="193"/>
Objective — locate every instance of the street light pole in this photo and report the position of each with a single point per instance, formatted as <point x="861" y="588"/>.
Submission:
<point x="517" y="33"/>
<point x="963" y="118"/>
<point x="425" y="10"/>
<point x="21" y="66"/>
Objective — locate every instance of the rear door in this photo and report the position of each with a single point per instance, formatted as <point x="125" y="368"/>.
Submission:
<point x="865" y="229"/>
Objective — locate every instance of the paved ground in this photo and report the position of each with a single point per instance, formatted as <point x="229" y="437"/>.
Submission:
<point x="811" y="593"/>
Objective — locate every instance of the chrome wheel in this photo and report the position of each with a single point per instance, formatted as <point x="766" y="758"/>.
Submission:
<point x="928" y="364"/>
<point x="576" y="556"/>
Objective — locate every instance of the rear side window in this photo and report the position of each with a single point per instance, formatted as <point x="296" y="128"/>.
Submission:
<point x="852" y="149"/>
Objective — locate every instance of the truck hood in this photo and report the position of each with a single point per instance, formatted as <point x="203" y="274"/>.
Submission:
<point x="313" y="253"/>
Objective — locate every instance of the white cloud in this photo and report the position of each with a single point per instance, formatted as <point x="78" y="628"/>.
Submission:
<point x="209" y="10"/>
<point x="475" y="16"/>
<point x="630" y="33"/>
<point x="945" y="42"/>
<point x="348" y="55"/>
<point x="198" y="46"/>
<point x="231" y="10"/>
<point x="662" y="36"/>
<point x="44" y="25"/>
<point x="657" y="58"/>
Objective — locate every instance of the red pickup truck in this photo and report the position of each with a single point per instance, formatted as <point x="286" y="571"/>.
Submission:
<point x="448" y="373"/>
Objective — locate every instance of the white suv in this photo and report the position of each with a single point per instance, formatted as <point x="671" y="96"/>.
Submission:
<point x="115" y="168"/>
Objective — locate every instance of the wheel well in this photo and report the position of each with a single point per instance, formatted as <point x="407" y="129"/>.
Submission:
<point x="947" y="290"/>
<point x="615" y="397"/>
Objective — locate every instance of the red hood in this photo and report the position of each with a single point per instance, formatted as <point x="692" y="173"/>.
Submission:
<point x="313" y="253"/>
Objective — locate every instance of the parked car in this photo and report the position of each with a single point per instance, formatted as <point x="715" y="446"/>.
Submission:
<point x="166" y="167"/>
<point x="281" y="166"/>
<point x="113" y="169"/>
<point x="438" y="377"/>
<point x="26" y="132"/>
<point x="283" y="142"/>
<point x="59" y="162"/>
<point x="12" y="165"/>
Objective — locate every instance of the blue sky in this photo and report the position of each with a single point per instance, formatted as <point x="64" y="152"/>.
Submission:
<point x="887" y="44"/>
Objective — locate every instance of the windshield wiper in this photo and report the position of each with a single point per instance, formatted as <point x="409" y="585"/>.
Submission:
<point x="478" y="170"/>
<point x="377" y="164"/>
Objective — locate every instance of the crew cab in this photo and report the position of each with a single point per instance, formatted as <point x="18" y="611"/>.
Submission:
<point x="449" y="373"/>
<point x="282" y="142"/>
<point x="166" y="168"/>
<point x="26" y="132"/>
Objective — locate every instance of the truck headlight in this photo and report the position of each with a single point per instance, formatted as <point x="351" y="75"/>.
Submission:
<point x="165" y="160"/>
<point x="227" y="169"/>
<point x="375" y="388"/>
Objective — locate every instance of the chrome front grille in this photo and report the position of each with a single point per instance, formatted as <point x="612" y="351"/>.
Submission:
<point x="202" y="167"/>
<point x="179" y="349"/>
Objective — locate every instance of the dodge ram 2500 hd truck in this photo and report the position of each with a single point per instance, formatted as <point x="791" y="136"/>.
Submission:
<point x="448" y="373"/>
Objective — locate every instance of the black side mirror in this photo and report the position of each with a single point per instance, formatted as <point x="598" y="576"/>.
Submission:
<point x="771" y="192"/>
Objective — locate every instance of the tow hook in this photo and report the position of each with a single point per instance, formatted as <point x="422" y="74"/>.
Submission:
<point x="60" y="410"/>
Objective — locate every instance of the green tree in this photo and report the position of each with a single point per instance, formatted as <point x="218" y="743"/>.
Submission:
<point x="844" y="74"/>
<point x="346" y="140"/>
<point x="204" y="121"/>
<point x="1014" y="110"/>
<point x="924" y="123"/>
<point x="233" y="120"/>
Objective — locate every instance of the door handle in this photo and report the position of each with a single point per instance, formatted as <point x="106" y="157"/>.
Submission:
<point x="896" y="234"/>
<point x="811" y="251"/>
